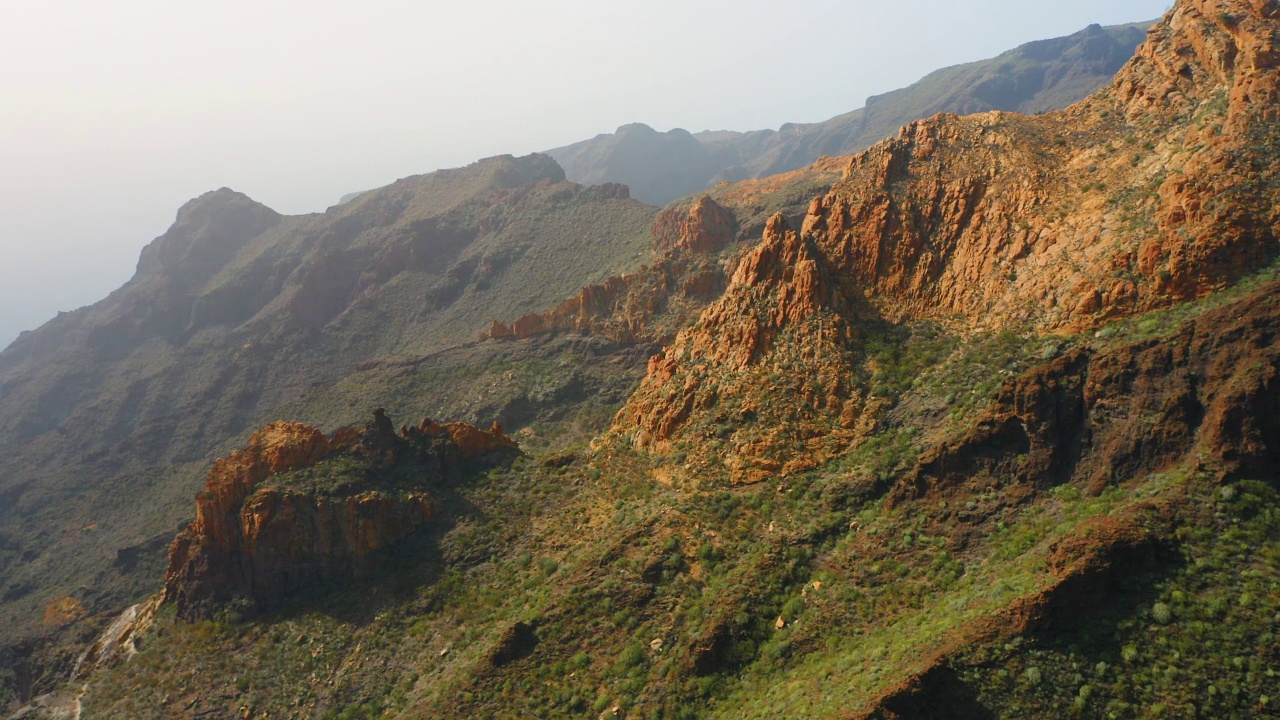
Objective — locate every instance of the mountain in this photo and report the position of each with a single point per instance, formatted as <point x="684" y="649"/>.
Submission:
<point x="1035" y="77"/>
<point x="979" y="422"/>
<point x="109" y="414"/>
<point x="1153" y="192"/>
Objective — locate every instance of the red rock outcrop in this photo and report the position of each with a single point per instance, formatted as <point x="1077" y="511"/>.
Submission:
<point x="474" y="442"/>
<point x="691" y="242"/>
<point x="651" y="304"/>
<point x="779" y="332"/>
<point x="1199" y="49"/>
<point x="278" y="447"/>
<point x="1156" y="190"/>
<point x="257" y="540"/>
<point x="703" y="227"/>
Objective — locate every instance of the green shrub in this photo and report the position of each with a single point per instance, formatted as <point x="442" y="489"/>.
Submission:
<point x="1161" y="613"/>
<point x="632" y="656"/>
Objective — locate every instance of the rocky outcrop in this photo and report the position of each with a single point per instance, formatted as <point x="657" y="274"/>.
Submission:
<point x="207" y="233"/>
<point x="1050" y="223"/>
<point x="516" y="642"/>
<point x="762" y="375"/>
<point x="1150" y="192"/>
<point x="703" y="227"/>
<point x="1199" y="50"/>
<point x="1207" y="396"/>
<point x="297" y="511"/>
<point x="693" y="243"/>
<point x="648" y="305"/>
<point x="645" y="306"/>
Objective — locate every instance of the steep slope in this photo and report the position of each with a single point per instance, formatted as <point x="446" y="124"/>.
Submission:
<point x="1037" y="509"/>
<point x="696" y="243"/>
<point x="237" y="311"/>
<point x="777" y="340"/>
<point x="1157" y="190"/>
<point x="1036" y="77"/>
<point x="579" y="585"/>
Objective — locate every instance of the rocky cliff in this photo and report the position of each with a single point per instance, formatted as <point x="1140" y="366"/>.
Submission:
<point x="764" y="372"/>
<point x="1207" y="397"/>
<point x="1157" y="189"/>
<point x="1154" y="191"/>
<point x="296" y="511"/>
<point x="696" y="243"/>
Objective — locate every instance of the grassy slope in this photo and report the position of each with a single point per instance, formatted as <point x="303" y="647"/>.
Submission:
<point x="603" y="562"/>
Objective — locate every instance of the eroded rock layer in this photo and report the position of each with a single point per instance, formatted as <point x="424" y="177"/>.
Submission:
<point x="297" y="510"/>
<point x="1208" y="395"/>
<point x="777" y="341"/>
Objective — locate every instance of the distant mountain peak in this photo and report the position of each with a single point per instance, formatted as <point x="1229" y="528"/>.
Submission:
<point x="209" y="229"/>
<point x="1037" y="76"/>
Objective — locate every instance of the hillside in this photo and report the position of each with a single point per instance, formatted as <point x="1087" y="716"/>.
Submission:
<point x="110" y="414"/>
<point x="1039" y="76"/>
<point x="979" y="422"/>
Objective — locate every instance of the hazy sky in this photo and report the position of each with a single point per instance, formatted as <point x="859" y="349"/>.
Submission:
<point x="112" y="114"/>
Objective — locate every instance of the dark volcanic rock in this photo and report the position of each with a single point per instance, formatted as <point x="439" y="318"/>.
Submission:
<point x="517" y="641"/>
<point x="1210" y="393"/>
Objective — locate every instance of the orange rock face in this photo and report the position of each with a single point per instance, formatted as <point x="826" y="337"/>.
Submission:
<point x="255" y="545"/>
<point x="645" y="306"/>
<point x="474" y="442"/>
<point x="762" y="374"/>
<point x="704" y="228"/>
<point x="1159" y="189"/>
<point x="276" y="448"/>
<point x="62" y="611"/>
<point x="1153" y="191"/>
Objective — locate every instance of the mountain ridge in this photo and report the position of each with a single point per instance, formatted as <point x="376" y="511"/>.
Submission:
<point x="1036" y="76"/>
<point x="982" y="425"/>
<point x="237" y="311"/>
<point x="980" y="223"/>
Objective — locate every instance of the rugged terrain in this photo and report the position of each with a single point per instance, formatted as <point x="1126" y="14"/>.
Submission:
<point x="979" y="422"/>
<point x="1158" y="190"/>
<point x="238" y="314"/>
<point x="1036" y="77"/>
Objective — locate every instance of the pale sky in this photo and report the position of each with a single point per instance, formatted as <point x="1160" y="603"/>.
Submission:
<point x="112" y="114"/>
